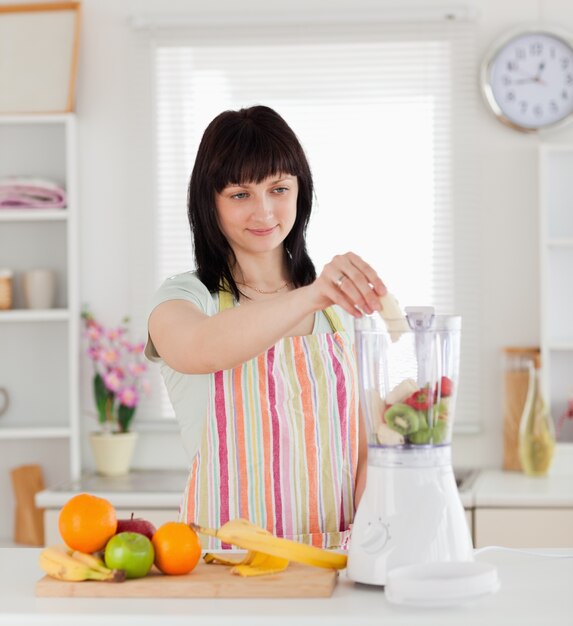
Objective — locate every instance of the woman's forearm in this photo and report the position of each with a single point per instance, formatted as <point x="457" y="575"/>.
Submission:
<point x="204" y="344"/>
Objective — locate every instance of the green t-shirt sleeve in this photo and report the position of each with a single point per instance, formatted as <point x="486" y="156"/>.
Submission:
<point x="185" y="286"/>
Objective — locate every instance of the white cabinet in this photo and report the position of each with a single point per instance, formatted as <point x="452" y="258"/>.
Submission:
<point x="39" y="349"/>
<point x="556" y="273"/>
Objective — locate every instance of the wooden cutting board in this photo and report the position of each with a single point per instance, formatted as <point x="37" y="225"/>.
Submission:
<point x="205" y="581"/>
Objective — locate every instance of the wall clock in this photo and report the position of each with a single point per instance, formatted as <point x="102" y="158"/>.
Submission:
<point x="527" y="79"/>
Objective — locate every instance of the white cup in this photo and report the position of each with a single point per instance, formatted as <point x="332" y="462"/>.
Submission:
<point x="39" y="288"/>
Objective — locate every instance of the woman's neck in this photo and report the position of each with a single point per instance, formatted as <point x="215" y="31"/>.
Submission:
<point x="263" y="273"/>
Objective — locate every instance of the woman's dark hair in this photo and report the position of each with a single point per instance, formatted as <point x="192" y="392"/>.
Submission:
<point x="240" y="147"/>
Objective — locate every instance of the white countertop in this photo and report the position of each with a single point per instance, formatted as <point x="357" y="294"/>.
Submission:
<point x="495" y="488"/>
<point x="534" y="590"/>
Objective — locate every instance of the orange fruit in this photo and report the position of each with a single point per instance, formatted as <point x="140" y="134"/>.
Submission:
<point x="177" y="548"/>
<point x="87" y="522"/>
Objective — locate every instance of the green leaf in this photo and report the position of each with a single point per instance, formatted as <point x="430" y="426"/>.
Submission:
<point x="102" y="396"/>
<point x="124" y="416"/>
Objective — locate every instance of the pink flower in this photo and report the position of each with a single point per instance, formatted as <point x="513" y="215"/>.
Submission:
<point x="136" y="369"/>
<point x="93" y="353"/>
<point x="128" y="397"/>
<point x="94" y="331"/>
<point x="109" y="356"/>
<point x="113" y="380"/>
<point x="115" y="333"/>
<point x="146" y="386"/>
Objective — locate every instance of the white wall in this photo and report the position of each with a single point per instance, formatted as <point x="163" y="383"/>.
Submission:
<point x="113" y="176"/>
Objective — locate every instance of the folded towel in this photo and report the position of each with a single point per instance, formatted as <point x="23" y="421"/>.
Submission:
<point x="31" y="193"/>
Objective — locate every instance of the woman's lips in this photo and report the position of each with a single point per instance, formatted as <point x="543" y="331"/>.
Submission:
<point x="261" y="232"/>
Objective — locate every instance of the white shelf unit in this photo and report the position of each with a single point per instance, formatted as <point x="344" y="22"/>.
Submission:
<point x="556" y="275"/>
<point x="39" y="357"/>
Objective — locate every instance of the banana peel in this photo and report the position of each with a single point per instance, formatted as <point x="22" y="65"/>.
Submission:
<point x="244" y="534"/>
<point x="252" y="564"/>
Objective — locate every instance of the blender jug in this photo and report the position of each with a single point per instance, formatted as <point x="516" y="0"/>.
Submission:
<point x="410" y="511"/>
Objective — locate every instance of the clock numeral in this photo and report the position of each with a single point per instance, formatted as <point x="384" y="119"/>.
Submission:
<point x="538" y="110"/>
<point x="564" y="63"/>
<point x="552" y="53"/>
<point x="569" y="79"/>
<point x="536" y="49"/>
<point x="565" y="94"/>
<point x="520" y="53"/>
<point x="510" y="96"/>
<point x="506" y="81"/>
<point x="553" y="106"/>
<point x="511" y="66"/>
<point x="523" y="106"/>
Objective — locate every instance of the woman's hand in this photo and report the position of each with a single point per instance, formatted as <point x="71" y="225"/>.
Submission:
<point x="351" y="283"/>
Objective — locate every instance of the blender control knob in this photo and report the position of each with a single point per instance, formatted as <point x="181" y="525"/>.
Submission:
<point x="376" y="536"/>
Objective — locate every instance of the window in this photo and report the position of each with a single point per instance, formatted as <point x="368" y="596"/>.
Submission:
<point x="384" y="111"/>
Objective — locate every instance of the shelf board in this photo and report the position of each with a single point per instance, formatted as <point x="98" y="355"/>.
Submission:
<point x="34" y="118"/>
<point x="33" y="215"/>
<point x="560" y="346"/>
<point x="35" y="315"/>
<point x="560" y="242"/>
<point x="35" y="432"/>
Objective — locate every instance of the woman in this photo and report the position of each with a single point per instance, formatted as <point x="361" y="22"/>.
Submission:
<point x="256" y="350"/>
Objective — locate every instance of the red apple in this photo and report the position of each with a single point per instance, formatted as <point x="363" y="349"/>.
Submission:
<point x="136" y="525"/>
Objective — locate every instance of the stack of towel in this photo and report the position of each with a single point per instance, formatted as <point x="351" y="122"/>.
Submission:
<point x="31" y="193"/>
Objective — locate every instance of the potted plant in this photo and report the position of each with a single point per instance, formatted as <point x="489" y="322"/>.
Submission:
<point x="118" y="382"/>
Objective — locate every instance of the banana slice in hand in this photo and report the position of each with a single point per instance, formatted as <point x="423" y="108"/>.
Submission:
<point x="391" y="313"/>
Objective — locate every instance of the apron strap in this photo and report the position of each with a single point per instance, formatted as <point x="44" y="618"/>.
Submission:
<point x="226" y="302"/>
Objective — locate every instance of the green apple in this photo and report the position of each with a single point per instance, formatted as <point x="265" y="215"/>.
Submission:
<point x="131" y="552"/>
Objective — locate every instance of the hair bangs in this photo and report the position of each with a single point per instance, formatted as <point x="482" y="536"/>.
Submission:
<point x="253" y="157"/>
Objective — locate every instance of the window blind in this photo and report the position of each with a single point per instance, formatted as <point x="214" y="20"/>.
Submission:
<point x="385" y="114"/>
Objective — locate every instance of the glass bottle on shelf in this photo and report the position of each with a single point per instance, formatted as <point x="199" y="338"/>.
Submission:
<point x="516" y="361"/>
<point x="536" y="429"/>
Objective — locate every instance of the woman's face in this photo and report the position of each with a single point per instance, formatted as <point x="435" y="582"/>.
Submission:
<point x="257" y="217"/>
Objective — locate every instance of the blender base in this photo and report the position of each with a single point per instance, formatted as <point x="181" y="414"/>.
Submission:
<point x="410" y="513"/>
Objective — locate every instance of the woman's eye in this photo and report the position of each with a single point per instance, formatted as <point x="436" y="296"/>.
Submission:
<point x="280" y="190"/>
<point x="240" y="196"/>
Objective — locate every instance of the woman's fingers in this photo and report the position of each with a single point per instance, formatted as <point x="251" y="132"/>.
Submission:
<point x="358" y="282"/>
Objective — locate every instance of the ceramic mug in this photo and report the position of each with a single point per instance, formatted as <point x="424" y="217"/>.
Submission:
<point x="39" y="288"/>
<point x="4" y="400"/>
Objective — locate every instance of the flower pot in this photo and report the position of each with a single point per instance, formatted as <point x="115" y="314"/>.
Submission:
<point x="113" y="452"/>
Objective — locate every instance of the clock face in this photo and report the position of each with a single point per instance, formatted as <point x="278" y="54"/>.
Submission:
<point x="529" y="80"/>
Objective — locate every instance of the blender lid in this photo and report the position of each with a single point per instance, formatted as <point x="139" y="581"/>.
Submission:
<point x="447" y="583"/>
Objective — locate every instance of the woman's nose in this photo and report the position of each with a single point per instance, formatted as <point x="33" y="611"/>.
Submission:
<point x="262" y="208"/>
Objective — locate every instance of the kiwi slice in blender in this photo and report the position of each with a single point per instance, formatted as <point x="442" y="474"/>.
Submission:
<point x="402" y="418"/>
<point x="440" y="430"/>
<point x="421" y="436"/>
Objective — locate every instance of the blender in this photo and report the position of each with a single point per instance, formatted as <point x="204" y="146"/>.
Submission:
<point x="410" y="512"/>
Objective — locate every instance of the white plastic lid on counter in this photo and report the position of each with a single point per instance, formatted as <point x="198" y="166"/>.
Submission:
<point x="443" y="584"/>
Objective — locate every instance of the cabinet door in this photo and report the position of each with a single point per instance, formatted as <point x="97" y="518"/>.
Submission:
<point x="523" y="528"/>
<point x="556" y="268"/>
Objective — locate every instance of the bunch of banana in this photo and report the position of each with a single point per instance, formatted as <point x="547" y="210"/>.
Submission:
<point x="244" y="534"/>
<point x="64" y="564"/>
<point x="252" y="564"/>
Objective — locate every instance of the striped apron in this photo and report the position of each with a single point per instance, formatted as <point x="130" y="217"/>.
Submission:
<point x="280" y="442"/>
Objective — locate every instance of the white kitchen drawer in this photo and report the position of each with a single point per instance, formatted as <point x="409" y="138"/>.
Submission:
<point x="523" y="527"/>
